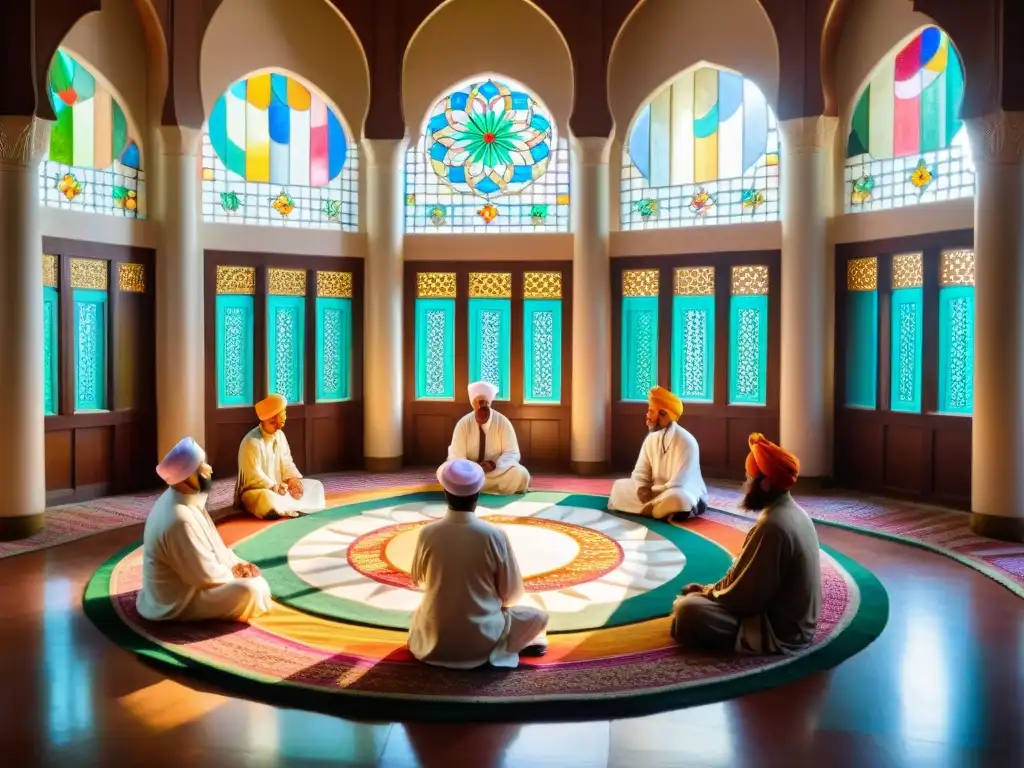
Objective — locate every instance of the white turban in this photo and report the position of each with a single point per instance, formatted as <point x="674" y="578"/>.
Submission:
<point x="482" y="389"/>
<point x="462" y="477"/>
<point x="181" y="462"/>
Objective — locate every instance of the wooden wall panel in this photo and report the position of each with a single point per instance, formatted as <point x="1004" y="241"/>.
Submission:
<point x="324" y="437"/>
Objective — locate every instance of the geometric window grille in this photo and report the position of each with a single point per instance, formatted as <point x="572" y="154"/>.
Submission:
<point x="906" y="329"/>
<point x="235" y="309"/>
<point x="487" y="161"/>
<point x="693" y="334"/>
<point x="89" y="284"/>
<point x="906" y="144"/>
<point x="333" y="336"/>
<point x="276" y="154"/>
<point x="640" y="289"/>
<point x="286" y="332"/>
<point x="542" y="337"/>
<point x="704" y="151"/>
<point x="956" y="332"/>
<point x="490" y="329"/>
<point x="435" y="336"/>
<point x="862" y="332"/>
<point x="748" y="336"/>
<point x="94" y="163"/>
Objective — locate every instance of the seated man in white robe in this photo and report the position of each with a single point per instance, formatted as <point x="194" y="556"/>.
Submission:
<point x="471" y="583"/>
<point x="666" y="481"/>
<point x="188" y="574"/>
<point x="487" y="438"/>
<point x="269" y="484"/>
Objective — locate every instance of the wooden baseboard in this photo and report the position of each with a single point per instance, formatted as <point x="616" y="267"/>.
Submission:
<point x="21" y="527"/>
<point x="391" y="464"/>
<point x="590" y="468"/>
<point x="998" y="527"/>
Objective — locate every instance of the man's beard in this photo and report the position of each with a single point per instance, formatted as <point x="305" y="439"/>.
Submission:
<point x="653" y="426"/>
<point x="483" y="413"/>
<point x="205" y="483"/>
<point x="756" y="498"/>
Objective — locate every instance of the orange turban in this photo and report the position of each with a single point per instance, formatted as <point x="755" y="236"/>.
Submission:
<point x="270" y="406"/>
<point x="781" y="467"/>
<point x="663" y="400"/>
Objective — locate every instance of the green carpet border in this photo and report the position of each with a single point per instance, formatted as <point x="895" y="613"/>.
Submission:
<point x="708" y="563"/>
<point x="866" y="625"/>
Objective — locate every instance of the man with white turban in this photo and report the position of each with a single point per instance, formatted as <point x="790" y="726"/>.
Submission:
<point x="471" y="583"/>
<point x="188" y="574"/>
<point x="487" y="438"/>
<point x="666" y="481"/>
<point x="269" y="484"/>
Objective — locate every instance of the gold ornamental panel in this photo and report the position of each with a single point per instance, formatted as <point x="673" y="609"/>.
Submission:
<point x="641" y="282"/>
<point x="490" y="285"/>
<point x="237" y="281"/>
<point x="334" y="285"/>
<point x="693" y="281"/>
<point x="907" y="270"/>
<point x="89" y="273"/>
<point x="435" y="285"/>
<point x="131" y="278"/>
<point x="750" y="280"/>
<point x="542" y="285"/>
<point x="957" y="268"/>
<point x="862" y="274"/>
<point x="286" y="282"/>
<point x="50" y="270"/>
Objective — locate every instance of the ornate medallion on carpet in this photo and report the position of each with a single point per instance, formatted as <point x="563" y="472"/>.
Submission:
<point x="335" y="641"/>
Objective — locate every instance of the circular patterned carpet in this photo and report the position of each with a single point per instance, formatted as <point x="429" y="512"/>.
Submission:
<point x="335" y="641"/>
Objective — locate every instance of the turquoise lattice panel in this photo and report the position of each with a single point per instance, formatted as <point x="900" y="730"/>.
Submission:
<point x="334" y="349"/>
<point x="234" y="350"/>
<point x="90" y="314"/>
<point x="542" y="351"/>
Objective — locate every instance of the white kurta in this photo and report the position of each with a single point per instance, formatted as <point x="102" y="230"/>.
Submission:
<point x="500" y="446"/>
<point x="265" y="461"/>
<point x="669" y="464"/>
<point x="186" y="570"/>
<point x="471" y="582"/>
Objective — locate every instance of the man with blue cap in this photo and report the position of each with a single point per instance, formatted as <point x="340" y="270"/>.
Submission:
<point x="188" y="574"/>
<point x="471" y="583"/>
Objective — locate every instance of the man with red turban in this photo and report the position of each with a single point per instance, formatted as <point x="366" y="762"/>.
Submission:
<point x="770" y="599"/>
<point x="666" y="480"/>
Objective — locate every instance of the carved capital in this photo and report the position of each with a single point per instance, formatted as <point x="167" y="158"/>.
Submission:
<point x="383" y="152"/>
<point x="180" y="140"/>
<point x="592" y="150"/>
<point x="997" y="138"/>
<point x="24" y="141"/>
<point x="803" y="133"/>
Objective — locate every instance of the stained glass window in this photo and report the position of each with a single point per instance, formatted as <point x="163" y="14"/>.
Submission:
<point x="907" y="144"/>
<point x="90" y="308"/>
<point x="488" y="160"/>
<point x="956" y="332"/>
<point x="748" y="336"/>
<point x="693" y="334"/>
<point x="704" y="151"/>
<point x="276" y="154"/>
<point x="542" y="337"/>
<point x="639" y="341"/>
<point x="906" y="332"/>
<point x="862" y="332"/>
<point x="94" y="163"/>
<point x="51" y="349"/>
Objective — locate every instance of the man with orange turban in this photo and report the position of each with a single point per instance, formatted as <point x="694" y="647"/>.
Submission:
<point x="666" y="480"/>
<point x="269" y="484"/>
<point x="770" y="599"/>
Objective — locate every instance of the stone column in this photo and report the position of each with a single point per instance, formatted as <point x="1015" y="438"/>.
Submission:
<point x="997" y="445"/>
<point x="383" y="395"/>
<point x="591" y="316"/>
<point x="180" y="340"/>
<point x="806" y="297"/>
<point x="23" y="142"/>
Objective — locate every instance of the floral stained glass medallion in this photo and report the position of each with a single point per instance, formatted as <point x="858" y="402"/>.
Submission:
<point x="94" y="163"/>
<point x="488" y="156"/>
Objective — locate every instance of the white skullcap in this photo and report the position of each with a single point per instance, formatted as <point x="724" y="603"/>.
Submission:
<point x="482" y="389"/>
<point x="181" y="461"/>
<point x="462" y="477"/>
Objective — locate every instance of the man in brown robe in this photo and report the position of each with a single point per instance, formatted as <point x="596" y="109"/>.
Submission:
<point x="770" y="599"/>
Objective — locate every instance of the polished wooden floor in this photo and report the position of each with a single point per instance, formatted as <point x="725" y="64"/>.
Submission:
<point x="942" y="686"/>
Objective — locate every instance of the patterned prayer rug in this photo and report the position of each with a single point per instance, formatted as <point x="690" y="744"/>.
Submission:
<point x="335" y="641"/>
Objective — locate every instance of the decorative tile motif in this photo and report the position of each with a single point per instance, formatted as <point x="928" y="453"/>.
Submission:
<point x="957" y="268"/>
<point x="750" y="280"/>
<point x="908" y="351"/>
<point x="435" y="285"/>
<point x="748" y="369"/>
<point x="695" y="341"/>
<point x="239" y="281"/>
<point x="644" y="330"/>
<point x="862" y="274"/>
<point x="694" y="281"/>
<point x="234" y="352"/>
<point x="960" y="379"/>
<point x="131" y="278"/>
<point x="284" y="347"/>
<point x="286" y="282"/>
<point x="490" y="347"/>
<point x="49" y="270"/>
<point x="543" y="355"/>
<point x="334" y="285"/>
<point x="542" y="285"/>
<point x="907" y="271"/>
<point x="88" y="332"/>
<point x="332" y="350"/>
<point x="89" y="273"/>
<point x="436" y="321"/>
<point x="490" y="285"/>
<point x="640" y="282"/>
